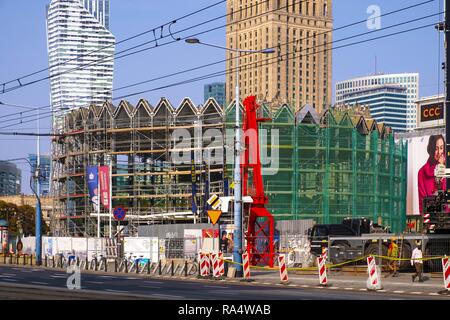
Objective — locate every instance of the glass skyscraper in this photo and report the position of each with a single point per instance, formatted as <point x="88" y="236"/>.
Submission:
<point x="387" y="104"/>
<point x="45" y="162"/>
<point x="409" y="81"/>
<point x="81" y="51"/>
<point x="215" y="90"/>
<point x="10" y="178"/>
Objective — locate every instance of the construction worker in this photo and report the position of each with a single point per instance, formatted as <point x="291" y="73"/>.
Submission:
<point x="393" y="254"/>
<point x="418" y="264"/>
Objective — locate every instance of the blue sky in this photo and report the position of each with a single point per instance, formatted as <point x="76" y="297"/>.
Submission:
<point x="23" y="50"/>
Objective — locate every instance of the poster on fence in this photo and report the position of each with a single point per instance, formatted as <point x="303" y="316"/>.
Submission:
<point x="142" y="247"/>
<point x="192" y="242"/>
<point x="79" y="247"/>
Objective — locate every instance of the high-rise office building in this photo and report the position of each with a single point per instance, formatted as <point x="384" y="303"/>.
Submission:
<point x="215" y="90"/>
<point x="81" y="50"/>
<point x="299" y="72"/>
<point x="45" y="161"/>
<point x="410" y="81"/>
<point x="387" y="104"/>
<point x="10" y="179"/>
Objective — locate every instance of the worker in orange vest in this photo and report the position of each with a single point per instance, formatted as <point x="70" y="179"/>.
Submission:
<point x="393" y="254"/>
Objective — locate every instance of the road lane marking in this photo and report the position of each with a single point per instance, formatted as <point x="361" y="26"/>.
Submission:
<point x="108" y="277"/>
<point x="362" y="289"/>
<point x="131" y="278"/>
<point x="37" y="282"/>
<point x="416" y="292"/>
<point x="8" y="279"/>
<point x="153" y="282"/>
<point x="433" y="294"/>
<point x="217" y="287"/>
<point x="266" y="283"/>
<point x="8" y="274"/>
<point x="167" y="296"/>
<point x="116" y="291"/>
<point x="348" y="288"/>
<point x="399" y="291"/>
<point x="150" y="287"/>
<point x="95" y="282"/>
<point x="58" y="276"/>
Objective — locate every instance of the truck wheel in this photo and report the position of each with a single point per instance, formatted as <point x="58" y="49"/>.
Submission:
<point x="339" y="247"/>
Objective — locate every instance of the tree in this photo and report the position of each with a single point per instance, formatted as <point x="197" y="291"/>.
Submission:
<point x="21" y="217"/>
<point x="27" y="216"/>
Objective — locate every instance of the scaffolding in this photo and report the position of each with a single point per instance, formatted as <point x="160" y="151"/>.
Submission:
<point x="139" y="143"/>
<point x="323" y="167"/>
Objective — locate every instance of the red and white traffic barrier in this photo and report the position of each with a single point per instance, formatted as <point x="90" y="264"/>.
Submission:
<point x="446" y="272"/>
<point x="204" y="264"/>
<point x="321" y="263"/>
<point x="246" y="265"/>
<point x="374" y="281"/>
<point x="215" y="264"/>
<point x="221" y="264"/>
<point x="283" y="270"/>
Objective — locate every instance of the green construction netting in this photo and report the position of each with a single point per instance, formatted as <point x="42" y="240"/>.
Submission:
<point x="330" y="171"/>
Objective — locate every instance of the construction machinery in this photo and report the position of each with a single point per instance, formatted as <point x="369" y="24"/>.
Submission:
<point x="260" y="222"/>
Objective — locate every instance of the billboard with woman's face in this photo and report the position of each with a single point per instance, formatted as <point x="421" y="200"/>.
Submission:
<point x="424" y="154"/>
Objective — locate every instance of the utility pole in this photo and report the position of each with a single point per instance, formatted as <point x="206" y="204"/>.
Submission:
<point x="447" y="98"/>
<point x="37" y="174"/>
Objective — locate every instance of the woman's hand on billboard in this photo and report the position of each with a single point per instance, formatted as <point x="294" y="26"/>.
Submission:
<point x="442" y="159"/>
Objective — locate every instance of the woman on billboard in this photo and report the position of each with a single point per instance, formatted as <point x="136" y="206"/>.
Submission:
<point x="426" y="179"/>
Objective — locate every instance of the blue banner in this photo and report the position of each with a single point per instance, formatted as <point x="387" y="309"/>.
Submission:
<point x="92" y="181"/>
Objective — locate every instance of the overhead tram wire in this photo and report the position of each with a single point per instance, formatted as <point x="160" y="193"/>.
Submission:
<point x="112" y="58"/>
<point x="276" y="60"/>
<point x="117" y="43"/>
<point x="197" y="34"/>
<point x="143" y="44"/>
<point x="306" y="49"/>
<point x="221" y="61"/>
<point x="221" y="73"/>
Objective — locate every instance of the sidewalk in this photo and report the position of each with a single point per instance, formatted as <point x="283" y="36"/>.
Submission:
<point x="339" y="281"/>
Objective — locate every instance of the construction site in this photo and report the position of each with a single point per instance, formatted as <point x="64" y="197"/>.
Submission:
<point x="323" y="167"/>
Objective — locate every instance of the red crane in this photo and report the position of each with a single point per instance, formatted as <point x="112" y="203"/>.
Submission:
<point x="260" y="232"/>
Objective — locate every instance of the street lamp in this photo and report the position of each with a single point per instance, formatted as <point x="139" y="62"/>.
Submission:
<point x="237" y="249"/>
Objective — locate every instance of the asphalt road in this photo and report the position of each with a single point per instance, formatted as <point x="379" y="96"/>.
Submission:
<point x="51" y="284"/>
<point x="37" y="283"/>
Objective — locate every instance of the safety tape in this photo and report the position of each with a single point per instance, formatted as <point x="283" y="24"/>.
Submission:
<point x="330" y="266"/>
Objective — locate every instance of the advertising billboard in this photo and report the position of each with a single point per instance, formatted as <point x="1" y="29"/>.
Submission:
<point x="424" y="153"/>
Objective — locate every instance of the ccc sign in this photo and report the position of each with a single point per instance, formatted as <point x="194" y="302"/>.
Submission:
<point x="431" y="112"/>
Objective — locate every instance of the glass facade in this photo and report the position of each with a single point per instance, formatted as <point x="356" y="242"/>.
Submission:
<point x="77" y="40"/>
<point x="10" y="177"/>
<point x="215" y="90"/>
<point x="387" y="104"/>
<point x="45" y="161"/>
<point x="409" y="81"/>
